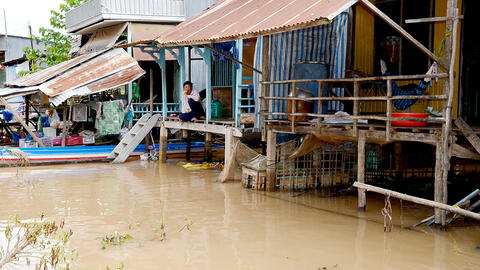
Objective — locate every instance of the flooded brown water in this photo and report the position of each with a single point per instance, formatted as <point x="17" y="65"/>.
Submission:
<point x="231" y="228"/>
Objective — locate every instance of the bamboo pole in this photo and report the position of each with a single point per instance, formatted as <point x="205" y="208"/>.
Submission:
<point x="20" y="120"/>
<point x="356" y="106"/>
<point x="405" y="197"/>
<point x="320" y="104"/>
<point x="208" y="146"/>
<point x="438" y="187"/>
<point x="389" y="111"/>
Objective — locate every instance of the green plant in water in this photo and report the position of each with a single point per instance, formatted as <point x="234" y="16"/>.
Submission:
<point x="161" y="230"/>
<point x="39" y="243"/>
<point x="114" y="239"/>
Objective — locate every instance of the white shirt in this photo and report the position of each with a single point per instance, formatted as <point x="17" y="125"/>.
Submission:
<point x="193" y="95"/>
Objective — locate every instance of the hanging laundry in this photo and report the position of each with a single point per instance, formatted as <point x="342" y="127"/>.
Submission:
<point x="111" y="120"/>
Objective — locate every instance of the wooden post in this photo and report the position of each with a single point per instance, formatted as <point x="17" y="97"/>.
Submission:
<point x="362" y="199"/>
<point x="294" y="105"/>
<point x="20" y="120"/>
<point x="163" y="66"/>
<point x="64" y="127"/>
<point x="271" y="159"/>
<point x="388" y="129"/>
<point x="320" y="105"/>
<point x="27" y="109"/>
<point x="208" y="146"/>
<point x="356" y="106"/>
<point x="186" y="135"/>
<point x="447" y="126"/>
<point x="438" y="187"/>
<point x="163" y="145"/>
<point x="229" y="141"/>
<point x="265" y="87"/>
<point x="151" y="91"/>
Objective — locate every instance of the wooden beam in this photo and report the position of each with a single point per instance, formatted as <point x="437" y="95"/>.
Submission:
<point x="438" y="187"/>
<point x="248" y="66"/>
<point x="403" y="32"/>
<point x="468" y="133"/>
<point x="434" y="19"/>
<point x="20" y="120"/>
<point x="417" y="200"/>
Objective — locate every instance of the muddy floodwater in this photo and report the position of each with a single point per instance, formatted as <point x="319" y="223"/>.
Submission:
<point x="210" y="225"/>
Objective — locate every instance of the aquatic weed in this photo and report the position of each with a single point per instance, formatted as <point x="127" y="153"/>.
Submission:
<point x="114" y="239"/>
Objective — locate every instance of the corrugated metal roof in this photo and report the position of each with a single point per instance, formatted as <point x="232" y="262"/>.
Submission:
<point x="104" y="38"/>
<point x="118" y="79"/>
<point x="9" y="92"/>
<point x="236" y="19"/>
<point x="48" y="73"/>
<point x="107" y="70"/>
<point x="102" y="66"/>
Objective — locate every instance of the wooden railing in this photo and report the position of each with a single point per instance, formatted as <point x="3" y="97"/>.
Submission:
<point x="356" y="99"/>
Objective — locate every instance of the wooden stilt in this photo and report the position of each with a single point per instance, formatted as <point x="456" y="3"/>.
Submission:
<point x="27" y="110"/>
<point x="229" y="145"/>
<point x="162" y="155"/>
<point x="208" y="146"/>
<point x="271" y="159"/>
<point x="438" y="190"/>
<point x="20" y="120"/>
<point x="362" y="199"/>
<point x="188" y="149"/>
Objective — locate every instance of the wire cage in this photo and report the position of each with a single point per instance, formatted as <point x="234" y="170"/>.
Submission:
<point x="325" y="167"/>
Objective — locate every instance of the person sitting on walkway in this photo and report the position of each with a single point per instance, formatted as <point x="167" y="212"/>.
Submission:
<point x="192" y="108"/>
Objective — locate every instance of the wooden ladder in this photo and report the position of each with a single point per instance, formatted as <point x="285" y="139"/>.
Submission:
<point x="133" y="138"/>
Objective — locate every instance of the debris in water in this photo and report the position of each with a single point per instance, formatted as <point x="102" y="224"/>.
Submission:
<point x="115" y="239"/>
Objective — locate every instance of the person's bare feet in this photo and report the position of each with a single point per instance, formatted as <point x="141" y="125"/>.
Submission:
<point x="194" y="119"/>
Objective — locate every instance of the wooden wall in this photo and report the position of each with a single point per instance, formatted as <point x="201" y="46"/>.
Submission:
<point x="364" y="55"/>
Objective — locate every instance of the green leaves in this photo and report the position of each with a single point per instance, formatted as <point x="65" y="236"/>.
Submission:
<point x="57" y="45"/>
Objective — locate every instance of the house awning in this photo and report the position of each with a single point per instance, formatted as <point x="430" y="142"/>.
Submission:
<point x="83" y="75"/>
<point x="228" y="20"/>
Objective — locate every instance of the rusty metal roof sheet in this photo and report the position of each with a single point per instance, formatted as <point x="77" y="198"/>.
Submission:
<point x="97" y="72"/>
<point x="235" y="19"/>
<point x="104" y="38"/>
<point x="120" y="78"/>
<point x="97" y="68"/>
<point x="41" y="76"/>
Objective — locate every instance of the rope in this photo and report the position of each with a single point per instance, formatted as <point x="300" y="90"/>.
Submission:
<point x="387" y="215"/>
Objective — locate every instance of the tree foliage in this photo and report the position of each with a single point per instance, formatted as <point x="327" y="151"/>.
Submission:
<point x="56" y="44"/>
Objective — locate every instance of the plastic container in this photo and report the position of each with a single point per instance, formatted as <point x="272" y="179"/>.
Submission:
<point x="409" y="123"/>
<point x="74" y="140"/>
<point x="301" y="105"/>
<point x="217" y="109"/>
